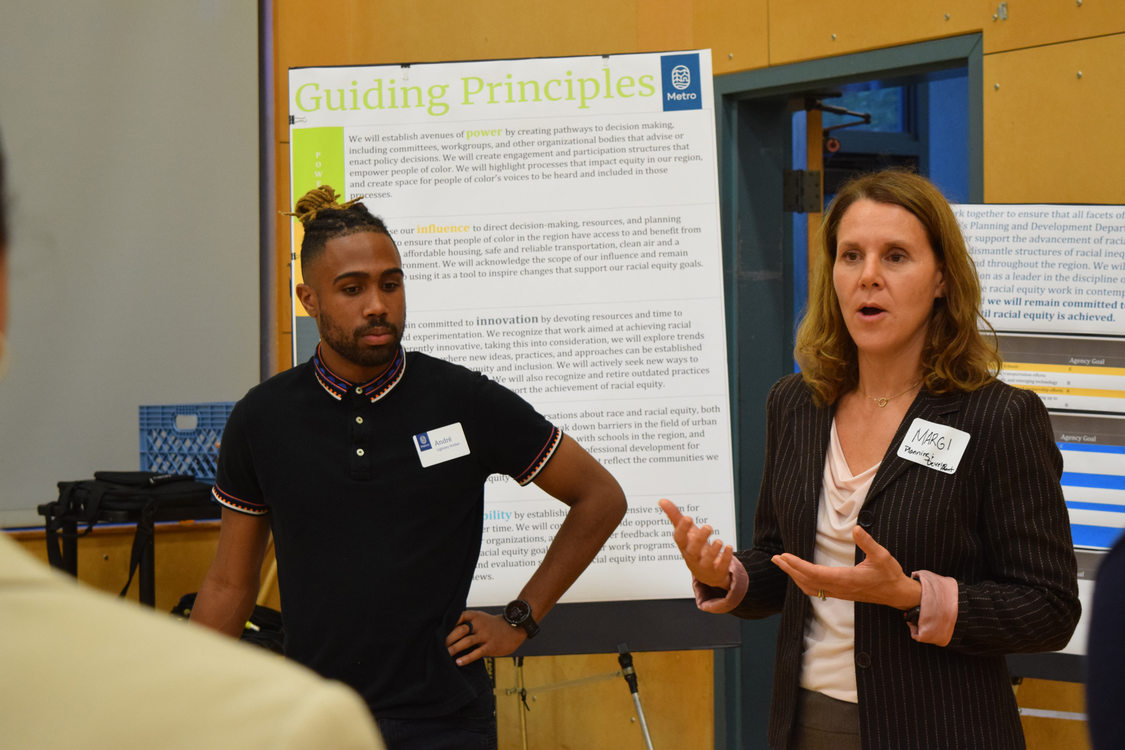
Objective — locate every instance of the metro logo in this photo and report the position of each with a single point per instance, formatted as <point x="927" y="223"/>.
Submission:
<point x="679" y="76"/>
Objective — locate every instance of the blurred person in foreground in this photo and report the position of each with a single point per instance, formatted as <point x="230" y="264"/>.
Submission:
<point x="910" y="527"/>
<point x="1105" y="653"/>
<point x="82" y="669"/>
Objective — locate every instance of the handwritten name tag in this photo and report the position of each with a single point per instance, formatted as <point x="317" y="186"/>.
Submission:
<point x="935" y="446"/>
<point x="443" y="444"/>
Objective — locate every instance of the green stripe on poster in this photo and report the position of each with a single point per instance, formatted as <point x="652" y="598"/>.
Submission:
<point x="318" y="159"/>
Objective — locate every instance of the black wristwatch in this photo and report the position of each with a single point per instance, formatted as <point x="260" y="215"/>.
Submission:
<point x="518" y="615"/>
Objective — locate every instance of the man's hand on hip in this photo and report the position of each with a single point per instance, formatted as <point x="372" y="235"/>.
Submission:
<point x="479" y="634"/>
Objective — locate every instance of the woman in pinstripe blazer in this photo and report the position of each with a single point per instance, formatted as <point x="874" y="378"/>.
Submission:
<point x="910" y="528"/>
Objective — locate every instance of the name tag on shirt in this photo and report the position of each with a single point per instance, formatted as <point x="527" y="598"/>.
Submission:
<point x="440" y="445"/>
<point x="935" y="446"/>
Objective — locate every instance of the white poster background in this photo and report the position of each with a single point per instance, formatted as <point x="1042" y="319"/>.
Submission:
<point x="1054" y="276"/>
<point x="1051" y="269"/>
<point x="559" y="230"/>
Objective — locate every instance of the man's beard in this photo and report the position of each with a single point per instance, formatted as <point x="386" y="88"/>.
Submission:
<point x="352" y="349"/>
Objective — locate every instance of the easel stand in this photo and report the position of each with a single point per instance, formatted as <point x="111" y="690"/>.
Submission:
<point x="624" y="658"/>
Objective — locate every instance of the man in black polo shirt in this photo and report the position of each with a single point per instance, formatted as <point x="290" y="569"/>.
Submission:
<point x="368" y="463"/>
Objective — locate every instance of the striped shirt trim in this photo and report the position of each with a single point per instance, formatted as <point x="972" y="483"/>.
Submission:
<point x="374" y="389"/>
<point x="242" y="506"/>
<point x="532" y="471"/>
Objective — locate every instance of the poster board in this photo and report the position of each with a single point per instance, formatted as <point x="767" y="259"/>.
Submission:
<point x="1053" y="288"/>
<point x="559" y="228"/>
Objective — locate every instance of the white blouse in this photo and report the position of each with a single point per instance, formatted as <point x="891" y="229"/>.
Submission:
<point x="828" y="664"/>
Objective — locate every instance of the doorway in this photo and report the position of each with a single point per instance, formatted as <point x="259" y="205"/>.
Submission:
<point x="918" y="122"/>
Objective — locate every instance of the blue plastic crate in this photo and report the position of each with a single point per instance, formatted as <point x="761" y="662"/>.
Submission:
<point x="183" y="438"/>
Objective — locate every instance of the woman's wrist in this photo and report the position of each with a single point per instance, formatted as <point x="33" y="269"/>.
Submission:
<point x="722" y="582"/>
<point x="728" y="581"/>
<point x="722" y="599"/>
<point x="911" y="596"/>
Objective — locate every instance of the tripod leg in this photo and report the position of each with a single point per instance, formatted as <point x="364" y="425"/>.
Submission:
<point x="625" y="659"/>
<point x="644" y="724"/>
<point x="523" y="700"/>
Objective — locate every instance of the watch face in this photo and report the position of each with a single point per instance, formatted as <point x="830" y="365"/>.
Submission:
<point x="517" y="611"/>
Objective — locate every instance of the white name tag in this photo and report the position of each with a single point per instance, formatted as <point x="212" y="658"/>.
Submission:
<point x="935" y="446"/>
<point x="443" y="444"/>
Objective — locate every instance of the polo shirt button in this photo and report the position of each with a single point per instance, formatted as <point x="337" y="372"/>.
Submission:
<point x="359" y="451"/>
<point x="359" y="420"/>
<point x="359" y="389"/>
<point x="862" y="659"/>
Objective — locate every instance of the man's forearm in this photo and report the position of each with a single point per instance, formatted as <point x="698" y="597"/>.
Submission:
<point x="597" y="504"/>
<point x="223" y="608"/>
<point x="587" y="526"/>
<point x="226" y="597"/>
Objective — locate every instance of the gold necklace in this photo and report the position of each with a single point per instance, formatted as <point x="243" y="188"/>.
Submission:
<point x="882" y="401"/>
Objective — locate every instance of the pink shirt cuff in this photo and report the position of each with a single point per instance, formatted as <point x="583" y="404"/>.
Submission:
<point x="938" y="614"/>
<point x="720" y="601"/>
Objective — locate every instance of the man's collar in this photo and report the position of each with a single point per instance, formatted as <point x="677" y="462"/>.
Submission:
<point x="374" y="389"/>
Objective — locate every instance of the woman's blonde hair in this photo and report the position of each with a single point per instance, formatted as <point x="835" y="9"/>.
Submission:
<point x="955" y="356"/>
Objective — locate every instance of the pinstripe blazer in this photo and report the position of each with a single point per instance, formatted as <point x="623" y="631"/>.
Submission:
<point x="998" y="525"/>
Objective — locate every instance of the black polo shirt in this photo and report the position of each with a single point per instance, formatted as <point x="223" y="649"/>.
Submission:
<point x="375" y="494"/>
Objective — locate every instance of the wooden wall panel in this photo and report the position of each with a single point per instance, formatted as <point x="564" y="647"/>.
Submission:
<point x="1036" y="22"/>
<point x="585" y="706"/>
<point x="1051" y="136"/>
<point x="809" y="29"/>
<point x="1050" y="732"/>
<point x="662" y="25"/>
<point x="736" y="32"/>
<point x="359" y="32"/>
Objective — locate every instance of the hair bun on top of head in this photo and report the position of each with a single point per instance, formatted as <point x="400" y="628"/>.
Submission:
<point x="320" y="198"/>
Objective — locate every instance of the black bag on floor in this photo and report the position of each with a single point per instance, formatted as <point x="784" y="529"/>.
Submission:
<point x="264" y="628"/>
<point x="138" y="494"/>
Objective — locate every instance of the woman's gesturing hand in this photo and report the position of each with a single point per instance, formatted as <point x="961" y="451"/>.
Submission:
<point x="879" y="579"/>
<point x="709" y="562"/>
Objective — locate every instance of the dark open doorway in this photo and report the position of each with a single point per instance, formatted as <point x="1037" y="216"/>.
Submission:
<point x="918" y="122"/>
